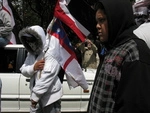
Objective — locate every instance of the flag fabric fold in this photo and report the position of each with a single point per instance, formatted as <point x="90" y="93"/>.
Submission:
<point x="61" y="49"/>
<point x="61" y="12"/>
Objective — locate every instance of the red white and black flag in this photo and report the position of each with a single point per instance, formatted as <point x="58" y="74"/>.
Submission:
<point x="61" y="11"/>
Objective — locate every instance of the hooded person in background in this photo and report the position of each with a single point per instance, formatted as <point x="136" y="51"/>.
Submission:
<point x="5" y="26"/>
<point x="122" y="82"/>
<point x="45" y="85"/>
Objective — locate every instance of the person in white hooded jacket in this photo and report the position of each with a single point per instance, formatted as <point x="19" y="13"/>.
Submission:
<point x="143" y="32"/>
<point x="45" y="85"/>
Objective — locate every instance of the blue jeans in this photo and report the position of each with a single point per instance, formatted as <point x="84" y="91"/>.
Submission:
<point x="3" y="42"/>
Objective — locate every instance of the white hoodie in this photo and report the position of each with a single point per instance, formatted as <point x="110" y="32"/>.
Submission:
<point x="48" y="88"/>
<point x="143" y="32"/>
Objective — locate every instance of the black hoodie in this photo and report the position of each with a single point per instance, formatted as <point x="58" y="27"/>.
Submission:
<point x="122" y="83"/>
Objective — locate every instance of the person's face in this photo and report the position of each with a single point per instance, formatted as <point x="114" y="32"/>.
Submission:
<point x="89" y="45"/>
<point x="102" y="26"/>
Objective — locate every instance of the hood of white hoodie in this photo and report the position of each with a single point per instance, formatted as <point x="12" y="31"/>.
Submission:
<point x="143" y="32"/>
<point x="37" y="33"/>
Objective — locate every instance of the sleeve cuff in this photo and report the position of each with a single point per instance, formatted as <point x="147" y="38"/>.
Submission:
<point x="34" y="97"/>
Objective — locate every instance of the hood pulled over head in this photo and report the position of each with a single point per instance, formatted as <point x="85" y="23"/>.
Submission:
<point x="120" y="19"/>
<point x="33" y="38"/>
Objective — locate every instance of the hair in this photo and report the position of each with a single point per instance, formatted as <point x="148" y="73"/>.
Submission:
<point x="99" y="5"/>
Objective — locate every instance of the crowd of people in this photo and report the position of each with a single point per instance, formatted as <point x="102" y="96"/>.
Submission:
<point x="122" y="62"/>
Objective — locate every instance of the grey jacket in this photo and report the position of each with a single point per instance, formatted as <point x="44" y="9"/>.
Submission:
<point x="5" y="24"/>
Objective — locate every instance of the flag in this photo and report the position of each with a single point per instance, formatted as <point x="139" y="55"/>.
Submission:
<point x="68" y="1"/>
<point x="8" y="9"/>
<point x="142" y="3"/>
<point x="61" y="12"/>
<point x="61" y="49"/>
<point x="82" y="10"/>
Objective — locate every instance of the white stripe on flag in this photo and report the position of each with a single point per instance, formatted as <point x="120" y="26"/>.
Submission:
<point x="64" y="15"/>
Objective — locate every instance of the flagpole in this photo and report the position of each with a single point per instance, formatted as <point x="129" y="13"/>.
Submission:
<point x="49" y="28"/>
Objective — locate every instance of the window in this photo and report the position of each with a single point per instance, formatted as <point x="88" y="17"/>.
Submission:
<point x="8" y="60"/>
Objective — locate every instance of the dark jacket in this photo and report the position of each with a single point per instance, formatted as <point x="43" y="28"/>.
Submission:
<point x="122" y="83"/>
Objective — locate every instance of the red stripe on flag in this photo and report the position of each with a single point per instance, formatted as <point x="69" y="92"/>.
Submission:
<point x="6" y="10"/>
<point x="62" y="43"/>
<point x="68" y="61"/>
<point x="71" y="52"/>
<point x="59" y="13"/>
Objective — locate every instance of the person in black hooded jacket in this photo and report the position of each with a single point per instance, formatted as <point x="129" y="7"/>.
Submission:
<point x="122" y="82"/>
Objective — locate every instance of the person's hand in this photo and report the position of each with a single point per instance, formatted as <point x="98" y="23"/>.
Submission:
<point x="39" y="65"/>
<point x="88" y="41"/>
<point x="33" y="103"/>
<point x="86" y="48"/>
